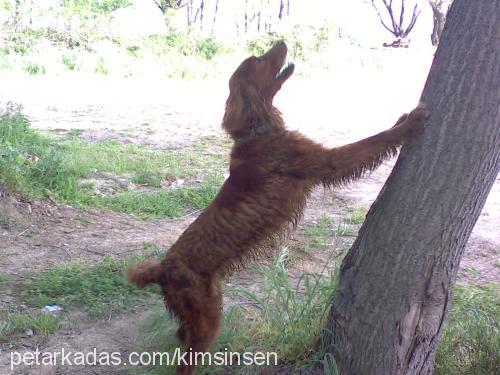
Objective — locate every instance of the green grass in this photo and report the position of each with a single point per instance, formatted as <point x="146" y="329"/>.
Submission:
<point x="318" y="235"/>
<point x="165" y="203"/>
<point x="356" y="215"/>
<point x="100" y="289"/>
<point x="69" y="170"/>
<point x="471" y="339"/>
<point x="285" y="315"/>
<point x="5" y="279"/>
<point x="343" y="231"/>
<point x="5" y="220"/>
<point x="18" y="323"/>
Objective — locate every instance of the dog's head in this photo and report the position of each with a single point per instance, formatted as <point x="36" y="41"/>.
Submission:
<point x="252" y="88"/>
<point x="265" y="74"/>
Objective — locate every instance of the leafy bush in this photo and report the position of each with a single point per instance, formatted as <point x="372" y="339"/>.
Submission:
<point x="259" y="45"/>
<point x="208" y="48"/>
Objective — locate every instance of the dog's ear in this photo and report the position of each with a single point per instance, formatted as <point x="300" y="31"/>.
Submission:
<point x="245" y="107"/>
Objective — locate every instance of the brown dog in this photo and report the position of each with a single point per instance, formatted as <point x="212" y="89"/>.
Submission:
<point x="272" y="172"/>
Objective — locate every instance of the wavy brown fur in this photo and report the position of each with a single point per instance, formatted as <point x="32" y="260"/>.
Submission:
<point x="271" y="175"/>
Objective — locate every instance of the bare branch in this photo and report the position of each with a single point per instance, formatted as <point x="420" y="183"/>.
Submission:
<point x="381" y="20"/>
<point x="401" y="15"/>
<point x="414" y="17"/>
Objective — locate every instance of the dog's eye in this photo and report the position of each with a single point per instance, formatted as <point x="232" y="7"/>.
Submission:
<point x="258" y="60"/>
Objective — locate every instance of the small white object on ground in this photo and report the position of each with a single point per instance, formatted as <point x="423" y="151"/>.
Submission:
<point x="51" y="309"/>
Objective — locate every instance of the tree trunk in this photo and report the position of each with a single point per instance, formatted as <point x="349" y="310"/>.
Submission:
<point x="439" y="18"/>
<point x="397" y="279"/>
<point x="215" y="16"/>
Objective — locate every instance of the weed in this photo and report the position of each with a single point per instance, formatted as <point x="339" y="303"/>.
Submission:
<point x="101" y="67"/>
<point x="34" y="69"/>
<point x="69" y="62"/>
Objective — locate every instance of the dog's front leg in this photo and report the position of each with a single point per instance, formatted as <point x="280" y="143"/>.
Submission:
<point x="350" y="161"/>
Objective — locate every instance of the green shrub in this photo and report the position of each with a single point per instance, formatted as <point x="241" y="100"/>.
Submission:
<point x="208" y="48"/>
<point x="259" y="45"/>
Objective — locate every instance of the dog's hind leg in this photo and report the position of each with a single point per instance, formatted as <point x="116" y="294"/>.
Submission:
<point x="200" y="325"/>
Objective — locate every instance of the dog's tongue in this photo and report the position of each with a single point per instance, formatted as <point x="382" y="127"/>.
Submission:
<point x="285" y="72"/>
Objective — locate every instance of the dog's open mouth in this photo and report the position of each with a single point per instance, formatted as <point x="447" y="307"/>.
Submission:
<point x="278" y="56"/>
<point x="285" y="72"/>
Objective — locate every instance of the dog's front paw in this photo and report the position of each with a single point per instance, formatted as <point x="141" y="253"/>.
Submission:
<point x="419" y="114"/>
<point x="415" y="122"/>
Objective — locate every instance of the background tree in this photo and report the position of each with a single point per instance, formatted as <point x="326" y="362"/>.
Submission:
<point x="397" y="18"/>
<point x="396" y="281"/>
<point x="439" y="10"/>
<point x="165" y="5"/>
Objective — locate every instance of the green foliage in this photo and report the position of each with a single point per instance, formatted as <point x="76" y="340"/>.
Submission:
<point x="69" y="62"/>
<point x="208" y="48"/>
<point x="99" y="288"/>
<point x="302" y="41"/>
<point x="259" y="45"/>
<point x="471" y="339"/>
<point x="185" y="44"/>
<point x="95" y="6"/>
<point x="33" y="69"/>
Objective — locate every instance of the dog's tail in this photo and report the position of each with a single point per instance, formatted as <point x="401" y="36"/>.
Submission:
<point x="144" y="273"/>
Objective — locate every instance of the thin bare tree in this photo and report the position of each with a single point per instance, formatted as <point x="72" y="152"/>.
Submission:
<point x="216" y="10"/>
<point x="397" y="22"/>
<point x="439" y="10"/>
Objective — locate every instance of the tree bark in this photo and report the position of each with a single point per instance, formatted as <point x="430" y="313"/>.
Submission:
<point x="397" y="279"/>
